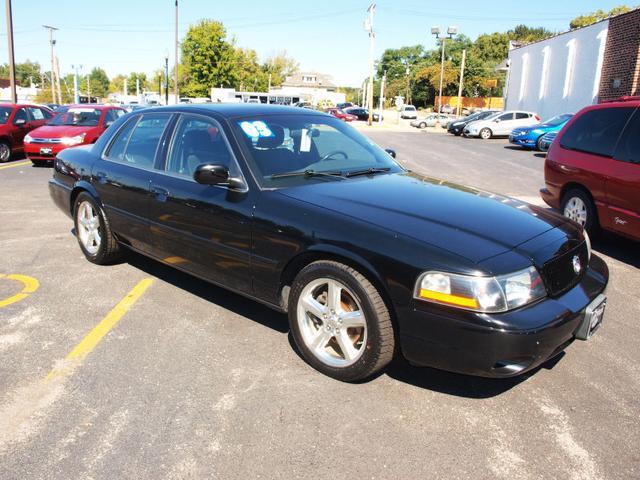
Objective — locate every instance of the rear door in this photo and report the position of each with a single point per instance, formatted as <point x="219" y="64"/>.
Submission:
<point x="524" y="119"/>
<point x="21" y="124"/>
<point x="123" y="175"/>
<point x="623" y="182"/>
<point x="204" y="229"/>
<point x="39" y="117"/>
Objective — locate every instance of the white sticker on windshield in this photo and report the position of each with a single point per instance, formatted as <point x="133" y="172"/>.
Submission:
<point x="256" y="129"/>
<point x="82" y="110"/>
<point x="305" y="140"/>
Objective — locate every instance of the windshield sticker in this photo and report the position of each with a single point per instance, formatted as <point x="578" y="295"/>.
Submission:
<point x="82" y="110"/>
<point x="305" y="140"/>
<point x="256" y="129"/>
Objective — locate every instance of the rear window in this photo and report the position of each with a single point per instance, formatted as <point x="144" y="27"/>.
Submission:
<point x="596" y="131"/>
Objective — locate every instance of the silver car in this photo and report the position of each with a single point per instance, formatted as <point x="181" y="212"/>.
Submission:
<point x="501" y="124"/>
<point x="430" y="120"/>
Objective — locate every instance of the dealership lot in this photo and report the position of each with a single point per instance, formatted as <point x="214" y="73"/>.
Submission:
<point x="185" y="380"/>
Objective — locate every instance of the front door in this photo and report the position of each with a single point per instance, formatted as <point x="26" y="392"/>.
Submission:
<point x="21" y="126"/>
<point x="204" y="229"/>
<point x="122" y="176"/>
<point x="503" y="124"/>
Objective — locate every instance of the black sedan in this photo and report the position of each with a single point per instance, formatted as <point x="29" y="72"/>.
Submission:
<point x="457" y="126"/>
<point x="363" y="114"/>
<point x="299" y="211"/>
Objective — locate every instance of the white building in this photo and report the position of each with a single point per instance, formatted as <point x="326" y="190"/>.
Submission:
<point x="558" y="75"/>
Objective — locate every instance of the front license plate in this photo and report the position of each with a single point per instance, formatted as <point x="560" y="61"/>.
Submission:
<point x="593" y="316"/>
<point x="46" y="151"/>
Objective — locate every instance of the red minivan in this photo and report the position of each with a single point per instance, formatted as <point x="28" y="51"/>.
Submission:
<point x="592" y="170"/>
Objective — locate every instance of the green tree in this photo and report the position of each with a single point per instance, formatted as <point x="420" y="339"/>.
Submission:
<point x="250" y="75"/>
<point x="209" y="59"/>
<point x="98" y="81"/>
<point x="280" y="66"/>
<point x="26" y="73"/>
<point x="593" y="17"/>
<point x="116" y="85"/>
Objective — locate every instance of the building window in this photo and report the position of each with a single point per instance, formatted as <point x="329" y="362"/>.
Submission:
<point x="544" y="75"/>
<point x="571" y="64"/>
<point x="523" y="78"/>
<point x="309" y="79"/>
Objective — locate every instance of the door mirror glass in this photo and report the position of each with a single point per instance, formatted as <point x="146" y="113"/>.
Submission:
<point x="390" y="152"/>
<point x="497" y="120"/>
<point x="210" y="174"/>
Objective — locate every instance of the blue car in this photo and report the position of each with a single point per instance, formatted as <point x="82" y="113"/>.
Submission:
<point x="531" y="137"/>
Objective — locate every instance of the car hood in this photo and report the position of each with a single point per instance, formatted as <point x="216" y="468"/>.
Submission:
<point x="59" y="131"/>
<point x="470" y="223"/>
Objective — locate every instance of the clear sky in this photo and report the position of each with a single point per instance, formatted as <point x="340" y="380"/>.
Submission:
<point x="328" y="36"/>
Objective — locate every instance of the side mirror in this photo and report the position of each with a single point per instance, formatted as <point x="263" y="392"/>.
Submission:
<point x="390" y="152"/>
<point x="497" y="120"/>
<point x="108" y="123"/>
<point x="212" y="174"/>
<point x="20" y="121"/>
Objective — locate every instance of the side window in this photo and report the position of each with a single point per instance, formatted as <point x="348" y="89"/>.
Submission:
<point x="36" y="113"/>
<point x="118" y="112"/>
<point x="522" y="115"/>
<point x="629" y="145"/>
<point x="21" y="114"/>
<point x="505" y="116"/>
<point x="197" y="141"/>
<point x="143" y="142"/>
<point x="596" y="131"/>
<point x="119" y="144"/>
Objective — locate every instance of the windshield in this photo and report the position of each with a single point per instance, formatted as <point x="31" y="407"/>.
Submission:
<point x="78" y="117"/>
<point x="4" y="114"/>
<point x="410" y="109"/>
<point x="277" y="144"/>
<point x="557" y="120"/>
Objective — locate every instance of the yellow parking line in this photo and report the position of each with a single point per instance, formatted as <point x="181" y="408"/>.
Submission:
<point x="30" y="285"/>
<point x="17" y="164"/>
<point x="89" y="342"/>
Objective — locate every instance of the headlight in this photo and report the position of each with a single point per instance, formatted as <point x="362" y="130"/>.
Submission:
<point x="481" y="294"/>
<point x="27" y="138"/>
<point x="68" y="141"/>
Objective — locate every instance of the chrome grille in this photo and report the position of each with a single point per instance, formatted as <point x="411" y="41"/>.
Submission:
<point x="559" y="274"/>
<point x="46" y="140"/>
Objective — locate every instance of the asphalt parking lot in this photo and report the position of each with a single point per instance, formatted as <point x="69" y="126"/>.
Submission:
<point x="138" y="371"/>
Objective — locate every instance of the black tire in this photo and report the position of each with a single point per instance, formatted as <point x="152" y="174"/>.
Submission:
<point x="592" y="224"/>
<point x="380" y="343"/>
<point x="5" y="151"/>
<point x="485" y="133"/>
<point x="457" y="134"/>
<point x="538" y="142"/>
<point x="423" y="125"/>
<point x="109" y="250"/>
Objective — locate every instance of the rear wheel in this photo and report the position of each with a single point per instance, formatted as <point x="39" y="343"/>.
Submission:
<point x="578" y="206"/>
<point x="423" y="125"/>
<point x="485" y="134"/>
<point x="94" y="234"/>
<point x="339" y="322"/>
<point x="5" y="152"/>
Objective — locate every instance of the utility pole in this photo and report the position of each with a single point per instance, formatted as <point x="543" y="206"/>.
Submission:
<point x="368" y="26"/>
<point x="382" y="82"/>
<point x="451" y="31"/>
<point x="464" y="56"/>
<point x="88" y="88"/>
<point x="59" y="90"/>
<point x="12" y="66"/>
<point x="52" y="42"/>
<point x="76" y="94"/>
<point x="137" y="87"/>
<point x="166" y="79"/>
<point x="124" y="88"/>
<point x="175" y="87"/>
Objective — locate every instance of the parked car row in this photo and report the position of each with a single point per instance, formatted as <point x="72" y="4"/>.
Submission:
<point x="40" y="133"/>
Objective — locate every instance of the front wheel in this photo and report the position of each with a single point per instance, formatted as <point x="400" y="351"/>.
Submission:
<point x="5" y="152"/>
<point x="578" y="206"/>
<point x="539" y="143"/>
<point x="94" y="234"/>
<point x="423" y="125"/>
<point x="339" y="322"/>
<point x="485" y="134"/>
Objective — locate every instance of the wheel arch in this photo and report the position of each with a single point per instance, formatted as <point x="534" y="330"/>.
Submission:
<point x="6" y="139"/>
<point x="79" y="187"/>
<point x="567" y="187"/>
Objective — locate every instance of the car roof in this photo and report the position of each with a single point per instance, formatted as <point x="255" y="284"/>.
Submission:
<point x="236" y="109"/>
<point x="96" y="106"/>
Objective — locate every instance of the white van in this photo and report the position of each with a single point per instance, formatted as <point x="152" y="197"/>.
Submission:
<point x="408" y="111"/>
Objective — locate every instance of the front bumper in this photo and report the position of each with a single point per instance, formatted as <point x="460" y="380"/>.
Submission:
<point x="523" y="141"/>
<point x="43" y="152"/>
<point x="61" y="195"/>
<point x="498" y="345"/>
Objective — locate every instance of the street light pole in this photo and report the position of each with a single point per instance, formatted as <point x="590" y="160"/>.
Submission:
<point x="12" y="66"/>
<point x="166" y="80"/>
<point x="451" y="31"/>
<point x="52" y="42"/>
<point x="175" y="87"/>
<point x="368" y="26"/>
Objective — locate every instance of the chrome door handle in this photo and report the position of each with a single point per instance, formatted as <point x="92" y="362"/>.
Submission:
<point x="160" y="193"/>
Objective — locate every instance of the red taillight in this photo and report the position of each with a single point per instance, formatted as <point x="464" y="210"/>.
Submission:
<point x="537" y="118"/>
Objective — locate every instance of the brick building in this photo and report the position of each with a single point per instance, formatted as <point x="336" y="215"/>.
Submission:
<point x="621" y="66"/>
<point x="571" y="70"/>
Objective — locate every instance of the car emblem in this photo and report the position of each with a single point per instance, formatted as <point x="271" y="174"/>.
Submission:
<point x="577" y="266"/>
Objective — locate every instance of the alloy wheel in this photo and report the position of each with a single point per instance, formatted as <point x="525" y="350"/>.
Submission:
<point x="5" y="152"/>
<point x="332" y="322"/>
<point x="576" y="210"/>
<point x="89" y="227"/>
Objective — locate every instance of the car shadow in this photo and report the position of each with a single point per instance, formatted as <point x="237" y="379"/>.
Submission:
<point x="515" y="147"/>
<point x="234" y="302"/>
<point x="617" y="247"/>
<point x="540" y="155"/>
